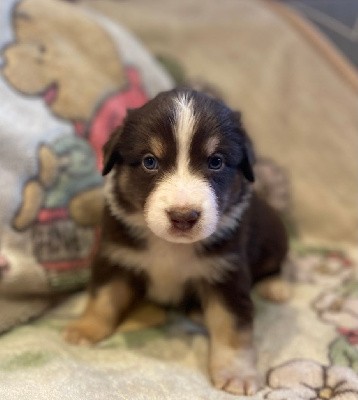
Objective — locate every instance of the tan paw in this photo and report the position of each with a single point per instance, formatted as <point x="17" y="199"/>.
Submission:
<point x="275" y="289"/>
<point x="86" y="331"/>
<point x="236" y="382"/>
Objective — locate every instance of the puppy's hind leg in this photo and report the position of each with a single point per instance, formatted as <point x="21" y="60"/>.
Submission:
<point x="275" y="289"/>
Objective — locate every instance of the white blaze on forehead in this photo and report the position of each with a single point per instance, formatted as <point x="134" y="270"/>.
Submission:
<point x="184" y="130"/>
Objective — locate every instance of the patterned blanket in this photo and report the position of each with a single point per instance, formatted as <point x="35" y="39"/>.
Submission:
<point x="308" y="347"/>
<point x="67" y="78"/>
<point x="61" y="93"/>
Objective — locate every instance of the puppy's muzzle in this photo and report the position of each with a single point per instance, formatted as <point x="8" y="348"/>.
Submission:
<point x="183" y="219"/>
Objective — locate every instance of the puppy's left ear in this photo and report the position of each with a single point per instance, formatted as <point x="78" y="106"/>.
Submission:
<point x="248" y="160"/>
<point x="111" y="155"/>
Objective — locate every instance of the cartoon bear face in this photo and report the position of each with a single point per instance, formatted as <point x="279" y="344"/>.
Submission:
<point x="62" y="55"/>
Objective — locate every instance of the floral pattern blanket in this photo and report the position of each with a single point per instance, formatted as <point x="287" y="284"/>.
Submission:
<point x="61" y="93"/>
<point x="308" y="347"/>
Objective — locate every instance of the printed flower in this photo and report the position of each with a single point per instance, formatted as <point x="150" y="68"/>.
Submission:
<point x="324" y="269"/>
<point x="350" y="334"/>
<point x="339" y="307"/>
<point x="308" y="380"/>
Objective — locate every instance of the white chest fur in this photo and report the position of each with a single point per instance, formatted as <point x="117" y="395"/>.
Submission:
<point x="168" y="265"/>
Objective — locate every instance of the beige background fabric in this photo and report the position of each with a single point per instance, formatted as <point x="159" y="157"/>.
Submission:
<point x="300" y="111"/>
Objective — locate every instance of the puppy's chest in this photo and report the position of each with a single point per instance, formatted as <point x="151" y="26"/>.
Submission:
<point x="169" y="267"/>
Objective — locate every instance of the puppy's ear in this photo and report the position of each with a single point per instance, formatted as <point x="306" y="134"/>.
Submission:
<point x="248" y="160"/>
<point x="111" y="154"/>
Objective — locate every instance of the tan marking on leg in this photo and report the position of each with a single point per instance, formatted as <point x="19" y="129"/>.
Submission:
<point x="157" y="147"/>
<point x="211" y="145"/>
<point x="103" y="312"/>
<point x="274" y="289"/>
<point x="232" y="363"/>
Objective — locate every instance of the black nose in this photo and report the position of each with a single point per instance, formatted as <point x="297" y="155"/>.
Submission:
<point x="183" y="218"/>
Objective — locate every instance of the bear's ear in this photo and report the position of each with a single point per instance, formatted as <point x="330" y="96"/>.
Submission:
<point x="111" y="155"/>
<point x="248" y="159"/>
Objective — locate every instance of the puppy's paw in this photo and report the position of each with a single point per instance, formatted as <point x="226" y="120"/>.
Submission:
<point x="236" y="381"/>
<point x="235" y="370"/>
<point x="86" y="331"/>
<point x="275" y="289"/>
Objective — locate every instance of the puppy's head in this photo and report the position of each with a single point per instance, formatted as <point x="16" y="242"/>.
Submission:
<point x="182" y="161"/>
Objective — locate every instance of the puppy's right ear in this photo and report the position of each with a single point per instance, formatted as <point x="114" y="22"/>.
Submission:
<point x="111" y="155"/>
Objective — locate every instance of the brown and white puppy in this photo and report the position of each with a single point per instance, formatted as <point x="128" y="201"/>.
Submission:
<point x="181" y="226"/>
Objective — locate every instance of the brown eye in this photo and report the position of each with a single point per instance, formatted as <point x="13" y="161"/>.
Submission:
<point x="150" y="162"/>
<point x="215" y="162"/>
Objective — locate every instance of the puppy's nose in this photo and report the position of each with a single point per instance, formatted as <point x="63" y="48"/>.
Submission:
<point x="183" y="218"/>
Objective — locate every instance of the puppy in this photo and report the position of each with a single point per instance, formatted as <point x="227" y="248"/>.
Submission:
<point x="182" y="226"/>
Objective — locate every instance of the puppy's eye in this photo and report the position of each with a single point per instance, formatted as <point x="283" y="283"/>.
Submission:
<point x="215" y="162"/>
<point x="150" y="162"/>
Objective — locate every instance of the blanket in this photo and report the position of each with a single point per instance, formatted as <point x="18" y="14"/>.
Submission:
<point x="308" y="347"/>
<point x="61" y="93"/>
<point x="67" y="78"/>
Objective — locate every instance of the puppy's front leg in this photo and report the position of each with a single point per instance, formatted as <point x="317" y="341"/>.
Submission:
<point x="102" y="313"/>
<point x="232" y="358"/>
<point x="109" y="301"/>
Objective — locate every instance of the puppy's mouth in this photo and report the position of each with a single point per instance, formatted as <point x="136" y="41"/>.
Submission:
<point x="179" y="235"/>
<point x="180" y="232"/>
<point x="50" y="93"/>
<point x="175" y="235"/>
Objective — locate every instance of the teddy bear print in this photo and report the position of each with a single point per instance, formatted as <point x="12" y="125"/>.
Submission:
<point x="67" y="176"/>
<point x="82" y="80"/>
<point x="52" y="58"/>
<point x="32" y="66"/>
